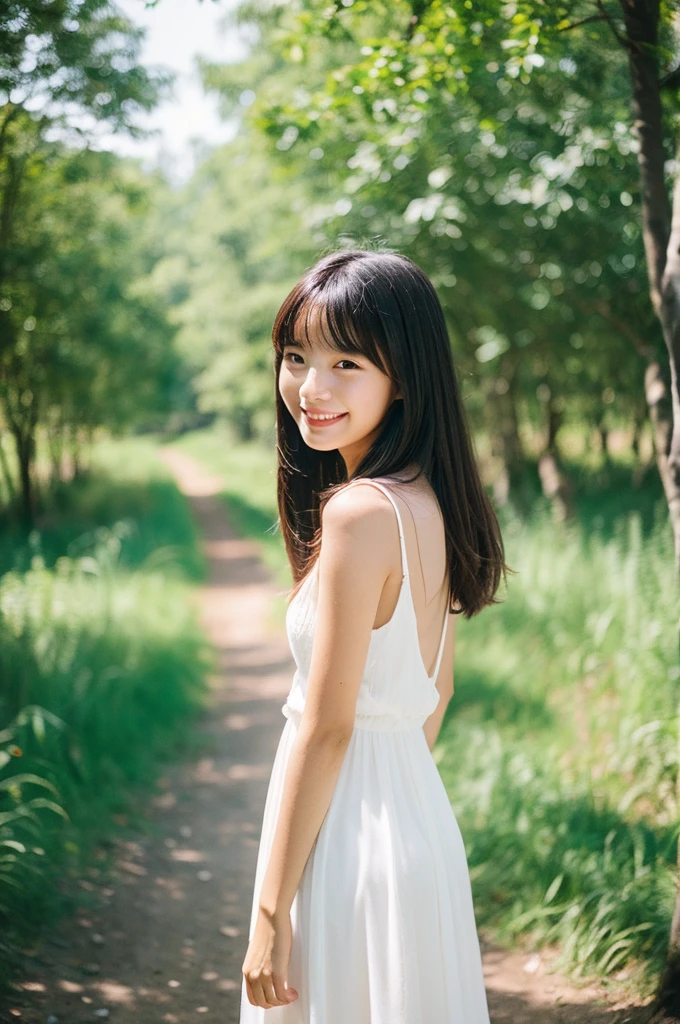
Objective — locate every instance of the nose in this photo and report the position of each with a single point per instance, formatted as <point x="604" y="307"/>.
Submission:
<point x="312" y="390"/>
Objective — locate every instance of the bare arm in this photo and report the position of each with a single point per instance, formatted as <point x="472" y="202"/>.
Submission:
<point x="353" y="567"/>
<point x="313" y="768"/>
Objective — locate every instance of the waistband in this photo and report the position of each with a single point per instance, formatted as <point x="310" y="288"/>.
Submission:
<point x="377" y="723"/>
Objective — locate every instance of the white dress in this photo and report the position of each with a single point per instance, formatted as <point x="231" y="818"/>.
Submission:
<point x="383" y="924"/>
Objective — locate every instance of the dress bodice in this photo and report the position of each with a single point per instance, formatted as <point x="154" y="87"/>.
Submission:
<point x="395" y="692"/>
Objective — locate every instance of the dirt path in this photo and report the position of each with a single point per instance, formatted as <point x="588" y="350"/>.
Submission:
<point x="162" y="939"/>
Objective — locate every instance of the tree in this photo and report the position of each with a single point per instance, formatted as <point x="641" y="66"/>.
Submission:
<point x="233" y="248"/>
<point x="64" y="67"/>
<point x="92" y="343"/>
<point x="512" y="189"/>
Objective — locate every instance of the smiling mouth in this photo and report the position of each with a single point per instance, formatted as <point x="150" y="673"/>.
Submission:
<point x="323" y="420"/>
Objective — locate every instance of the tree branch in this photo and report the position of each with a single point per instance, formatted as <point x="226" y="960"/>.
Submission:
<point x="641" y="23"/>
<point x="419" y="8"/>
<point x="671" y="79"/>
<point x="14" y="109"/>
<point x="584" y="21"/>
<point x="626" y="41"/>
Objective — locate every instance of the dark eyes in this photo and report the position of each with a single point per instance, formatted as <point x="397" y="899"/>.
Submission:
<point x="291" y="355"/>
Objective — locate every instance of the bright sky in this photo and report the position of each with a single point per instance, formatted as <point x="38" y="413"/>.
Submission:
<point x="177" y="30"/>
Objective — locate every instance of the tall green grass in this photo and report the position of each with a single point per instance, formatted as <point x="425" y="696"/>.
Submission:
<point x="560" y="748"/>
<point x="102" y="668"/>
<point x="129" y="491"/>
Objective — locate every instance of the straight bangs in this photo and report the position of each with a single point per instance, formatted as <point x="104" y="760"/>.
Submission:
<point x="338" y="319"/>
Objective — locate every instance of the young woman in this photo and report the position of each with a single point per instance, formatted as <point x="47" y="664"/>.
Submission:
<point x="362" y="908"/>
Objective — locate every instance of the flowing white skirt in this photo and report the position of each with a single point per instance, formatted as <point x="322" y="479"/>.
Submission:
<point x="383" y="923"/>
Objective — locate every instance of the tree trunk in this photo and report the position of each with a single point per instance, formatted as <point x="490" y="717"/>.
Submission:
<point x="670" y="320"/>
<point x="660" y="224"/>
<point x="604" y="435"/>
<point x="661" y="234"/>
<point x="7" y="478"/>
<point x="639" y="420"/>
<point x="55" y="435"/>
<point x="642" y="415"/>
<point x="657" y="392"/>
<point x="556" y="487"/>
<point x="24" y="439"/>
<point x="513" y="484"/>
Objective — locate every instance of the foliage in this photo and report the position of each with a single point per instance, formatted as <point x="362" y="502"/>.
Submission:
<point x="494" y="147"/>
<point x="89" y="346"/>
<point x="103" y="666"/>
<point x="69" y="57"/>
<point x="72" y="324"/>
<point x="232" y="251"/>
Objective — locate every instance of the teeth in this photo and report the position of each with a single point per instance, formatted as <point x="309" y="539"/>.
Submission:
<point x="334" y="416"/>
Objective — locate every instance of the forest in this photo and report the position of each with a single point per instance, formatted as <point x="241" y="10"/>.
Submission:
<point x="526" y="154"/>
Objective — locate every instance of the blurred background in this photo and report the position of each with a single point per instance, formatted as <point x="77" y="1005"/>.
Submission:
<point x="167" y="172"/>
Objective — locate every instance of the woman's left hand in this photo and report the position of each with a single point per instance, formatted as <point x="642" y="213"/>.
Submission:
<point x="265" y="967"/>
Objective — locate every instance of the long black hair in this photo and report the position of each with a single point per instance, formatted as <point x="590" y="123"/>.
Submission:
<point x="382" y="305"/>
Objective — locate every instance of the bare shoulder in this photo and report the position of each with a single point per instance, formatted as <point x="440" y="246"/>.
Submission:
<point x="363" y="505"/>
<point x="360" y="516"/>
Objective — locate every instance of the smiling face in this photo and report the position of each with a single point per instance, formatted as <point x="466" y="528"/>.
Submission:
<point x="316" y="379"/>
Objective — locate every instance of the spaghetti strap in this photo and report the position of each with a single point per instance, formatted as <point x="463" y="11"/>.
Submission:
<point x="385" y="490"/>
<point x="405" y="570"/>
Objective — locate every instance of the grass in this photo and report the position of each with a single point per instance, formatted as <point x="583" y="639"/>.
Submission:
<point x="103" y="667"/>
<point x="129" y="493"/>
<point x="560" y="748"/>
